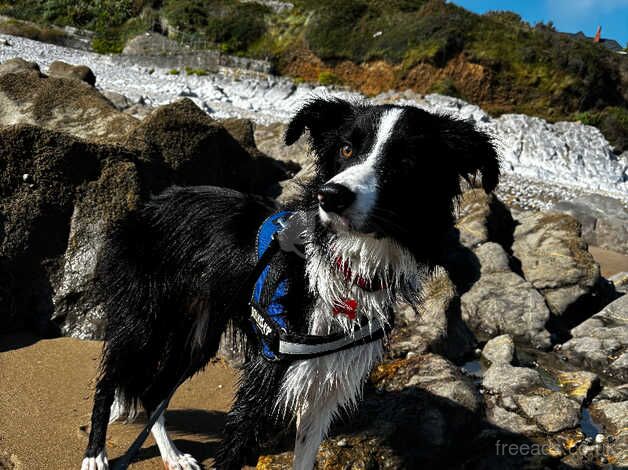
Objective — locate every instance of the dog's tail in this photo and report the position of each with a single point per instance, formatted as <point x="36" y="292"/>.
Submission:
<point x="130" y="293"/>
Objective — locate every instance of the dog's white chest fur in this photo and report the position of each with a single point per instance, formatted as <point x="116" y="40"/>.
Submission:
<point x="315" y="390"/>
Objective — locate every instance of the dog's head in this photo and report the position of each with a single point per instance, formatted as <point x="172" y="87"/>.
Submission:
<point x="391" y="171"/>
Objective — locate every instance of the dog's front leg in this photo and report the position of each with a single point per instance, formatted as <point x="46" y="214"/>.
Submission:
<point x="313" y="421"/>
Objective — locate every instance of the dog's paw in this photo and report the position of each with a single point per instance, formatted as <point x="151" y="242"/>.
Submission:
<point x="182" y="462"/>
<point x="99" y="462"/>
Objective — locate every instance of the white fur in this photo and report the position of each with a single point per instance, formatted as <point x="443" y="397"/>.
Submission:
<point x="122" y="408"/>
<point x="173" y="458"/>
<point x="99" y="462"/>
<point x="315" y="390"/>
<point x="362" y="178"/>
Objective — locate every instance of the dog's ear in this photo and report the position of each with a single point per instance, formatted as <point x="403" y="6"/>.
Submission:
<point x="470" y="151"/>
<point x="317" y="116"/>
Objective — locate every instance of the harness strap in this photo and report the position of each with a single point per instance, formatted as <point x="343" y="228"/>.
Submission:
<point x="268" y="316"/>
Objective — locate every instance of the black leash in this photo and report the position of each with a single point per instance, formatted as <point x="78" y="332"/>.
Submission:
<point x="122" y="463"/>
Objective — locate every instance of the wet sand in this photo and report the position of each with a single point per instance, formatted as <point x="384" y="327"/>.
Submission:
<point x="46" y="390"/>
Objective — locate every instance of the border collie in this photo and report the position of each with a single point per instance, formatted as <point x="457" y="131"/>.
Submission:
<point x="171" y="275"/>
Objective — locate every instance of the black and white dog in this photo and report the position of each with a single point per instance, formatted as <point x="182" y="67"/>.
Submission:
<point x="172" y="275"/>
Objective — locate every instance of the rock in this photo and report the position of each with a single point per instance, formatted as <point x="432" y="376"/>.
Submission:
<point x="436" y="327"/>
<point x="151" y="44"/>
<point x="552" y="411"/>
<point x="492" y="258"/>
<point x="423" y="403"/>
<point x="604" y="220"/>
<point x="139" y="110"/>
<point x="620" y="282"/>
<point x="199" y="150"/>
<point x="499" y="350"/>
<point x="579" y="385"/>
<point x="509" y="420"/>
<point x="120" y="101"/>
<point x="483" y="217"/>
<point x="567" y="153"/>
<point x="502" y="302"/>
<point x="54" y="221"/>
<point x="601" y="342"/>
<point x="506" y="379"/>
<point x="61" y="104"/>
<point x="612" y="415"/>
<point x="18" y="65"/>
<point x="270" y="140"/>
<point x="242" y="130"/>
<point x="98" y="207"/>
<point x="83" y="73"/>
<point x="554" y="258"/>
<point x="412" y="411"/>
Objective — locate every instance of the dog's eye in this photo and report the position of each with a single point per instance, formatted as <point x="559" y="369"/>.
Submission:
<point x="346" y="151"/>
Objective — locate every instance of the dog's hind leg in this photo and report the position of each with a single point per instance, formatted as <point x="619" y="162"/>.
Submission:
<point x="96" y="455"/>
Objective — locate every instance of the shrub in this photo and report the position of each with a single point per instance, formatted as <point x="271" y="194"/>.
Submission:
<point x="174" y="72"/>
<point x="229" y="24"/>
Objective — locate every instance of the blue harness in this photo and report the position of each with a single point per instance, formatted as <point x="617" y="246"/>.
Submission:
<point x="269" y="316"/>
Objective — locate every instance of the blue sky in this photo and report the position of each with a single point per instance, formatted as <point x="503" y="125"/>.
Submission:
<point x="568" y="15"/>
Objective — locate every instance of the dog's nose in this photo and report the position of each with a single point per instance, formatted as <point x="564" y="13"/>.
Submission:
<point x="335" y="197"/>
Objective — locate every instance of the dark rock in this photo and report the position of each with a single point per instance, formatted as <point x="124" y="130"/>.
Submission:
<point x="199" y="150"/>
<point x="52" y="223"/>
<point x="61" y="69"/>
<point x="554" y="258"/>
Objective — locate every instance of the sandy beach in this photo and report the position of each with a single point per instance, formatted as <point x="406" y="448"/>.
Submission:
<point x="46" y="390"/>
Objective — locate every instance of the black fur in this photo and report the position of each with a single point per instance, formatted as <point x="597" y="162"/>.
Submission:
<point x="189" y="253"/>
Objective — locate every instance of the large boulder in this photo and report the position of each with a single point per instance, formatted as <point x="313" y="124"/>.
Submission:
<point x="554" y="258"/>
<point x="601" y="342"/>
<point x="60" y="194"/>
<point x="196" y="149"/>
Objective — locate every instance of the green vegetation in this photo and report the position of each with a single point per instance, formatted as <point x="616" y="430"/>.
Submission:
<point x="227" y="24"/>
<point x="173" y="72"/>
<point x="328" y="78"/>
<point x="519" y="67"/>
<point x="612" y="121"/>
<point x="199" y="72"/>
